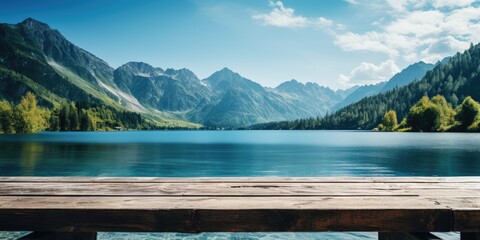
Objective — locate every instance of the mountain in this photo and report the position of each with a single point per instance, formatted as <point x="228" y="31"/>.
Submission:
<point x="26" y="49"/>
<point x="235" y="101"/>
<point x="170" y="90"/>
<point x="224" y="99"/>
<point x="454" y="79"/>
<point x="359" y="93"/>
<point x="310" y="96"/>
<point x="37" y="58"/>
<point x="343" y="93"/>
<point x="123" y="76"/>
<point x="411" y="73"/>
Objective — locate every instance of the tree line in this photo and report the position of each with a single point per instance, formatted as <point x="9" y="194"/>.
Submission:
<point x="28" y="117"/>
<point x="435" y="115"/>
<point x="455" y="79"/>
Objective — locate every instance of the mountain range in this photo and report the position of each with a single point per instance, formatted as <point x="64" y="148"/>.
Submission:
<point x="454" y="78"/>
<point x="411" y="73"/>
<point x="37" y="58"/>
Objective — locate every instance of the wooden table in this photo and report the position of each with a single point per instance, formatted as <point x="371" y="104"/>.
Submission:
<point x="397" y="208"/>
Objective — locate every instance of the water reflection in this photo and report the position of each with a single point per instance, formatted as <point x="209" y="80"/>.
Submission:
<point x="29" y="155"/>
<point x="204" y="154"/>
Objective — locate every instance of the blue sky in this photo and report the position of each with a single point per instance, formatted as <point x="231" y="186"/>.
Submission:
<point x="336" y="43"/>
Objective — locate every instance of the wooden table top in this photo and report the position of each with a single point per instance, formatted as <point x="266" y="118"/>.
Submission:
<point x="408" y="204"/>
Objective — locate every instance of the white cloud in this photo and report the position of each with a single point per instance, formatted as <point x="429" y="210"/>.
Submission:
<point x="419" y="30"/>
<point x="369" y="73"/>
<point x="441" y="48"/>
<point x="400" y="6"/>
<point x="451" y="3"/>
<point x="352" y="1"/>
<point x="341" y="26"/>
<point x="280" y="16"/>
<point x="370" y="41"/>
<point x="404" y="5"/>
<point x="418" y="24"/>
<point x="324" y="22"/>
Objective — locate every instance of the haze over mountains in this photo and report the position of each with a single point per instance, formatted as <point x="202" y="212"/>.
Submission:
<point x="454" y="79"/>
<point x="37" y="58"/>
<point x="411" y="73"/>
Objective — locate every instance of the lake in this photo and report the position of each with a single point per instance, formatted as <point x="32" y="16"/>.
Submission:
<point x="240" y="153"/>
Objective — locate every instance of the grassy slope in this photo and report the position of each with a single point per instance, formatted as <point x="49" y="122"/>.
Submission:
<point x="153" y="116"/>
<point x="41" y="91"/>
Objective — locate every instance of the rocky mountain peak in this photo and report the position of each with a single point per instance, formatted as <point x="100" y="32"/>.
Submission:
<point x="34" y="24"/>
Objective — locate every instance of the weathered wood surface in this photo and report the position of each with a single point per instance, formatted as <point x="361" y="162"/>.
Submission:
<point x="247" y="179"/>
<point x="240" y="204"/>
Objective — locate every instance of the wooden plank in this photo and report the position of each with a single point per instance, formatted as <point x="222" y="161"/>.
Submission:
<point x="220" y="203"/>
<point x="91" y="220"/>
<point x="249" y="220"/>
<point x="247" y="204"/>
<point x="198" y="214"/>
<point x="240" y="189"/>
<point x="201" y="189"/>
<point x="326" y="220"/>
<point x="406" y="236"/>
<point x="60" y="236"/>
<point x="467" y="220"/>
<point x="466" y="211"/>
<point x="249" y="179"/>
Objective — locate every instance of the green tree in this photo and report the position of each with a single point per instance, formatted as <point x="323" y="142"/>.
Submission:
<point x="6" y="117"/>
<point x="73" y="117"/>
<point x="447" y="114"/>
<point x="424" y="116"/>
<point x="63" y="117"/>
<point x="467" y="114"/>
<point x="54" y="120"/>
<point x="29" y="117"/>
<point x="389" y="122"/>
<point x="86" y="121"/>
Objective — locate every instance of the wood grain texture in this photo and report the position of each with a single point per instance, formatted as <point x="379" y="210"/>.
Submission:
<point x="239" y="204"/>
<point x="248" y="179"/>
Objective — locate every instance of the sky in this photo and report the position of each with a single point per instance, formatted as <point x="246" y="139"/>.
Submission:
<point x="335" y="43"/>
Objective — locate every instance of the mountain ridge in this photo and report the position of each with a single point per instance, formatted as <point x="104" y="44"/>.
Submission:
<point x="404" y="77"/>
<point x="454" y="79"/>
<point x="59" y="70"/>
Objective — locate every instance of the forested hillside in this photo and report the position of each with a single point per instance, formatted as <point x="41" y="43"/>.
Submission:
<point x="454" y="79"/>
<point x="28" y="117"/>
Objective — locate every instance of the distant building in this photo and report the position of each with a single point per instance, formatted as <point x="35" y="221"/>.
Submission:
<point x="118" y="128"/>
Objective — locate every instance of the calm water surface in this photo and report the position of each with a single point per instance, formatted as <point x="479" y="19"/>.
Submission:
<point x="240" y="153"/>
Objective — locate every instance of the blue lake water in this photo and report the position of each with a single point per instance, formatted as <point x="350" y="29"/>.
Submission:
<point x="240" y="153"/>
